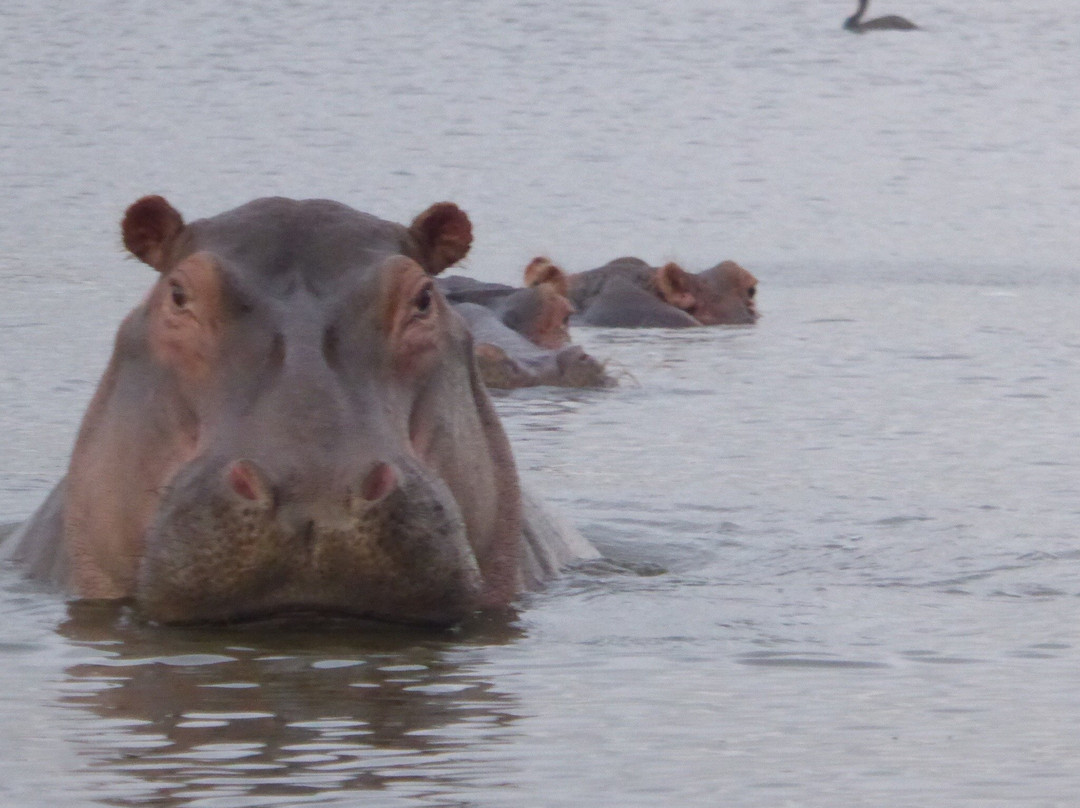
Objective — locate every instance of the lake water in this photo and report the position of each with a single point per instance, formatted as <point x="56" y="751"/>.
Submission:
<point x="842" y="547"/>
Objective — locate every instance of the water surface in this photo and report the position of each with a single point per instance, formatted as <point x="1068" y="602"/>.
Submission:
<point x="841" y="547"/>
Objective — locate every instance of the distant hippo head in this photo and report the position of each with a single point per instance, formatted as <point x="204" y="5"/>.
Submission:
<point x="506" y="359"/>
<point x="541" y="314"/>
<point x="723" y="295"/>
<point x="292" y="420"/>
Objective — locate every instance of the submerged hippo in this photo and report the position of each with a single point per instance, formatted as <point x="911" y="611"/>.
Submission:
<point x="540" y="313"/>
<point x="293" y="421"/>
<point x="507" y="360"/>
<point x="628" y="293"/>
<point x="522" y="336"/>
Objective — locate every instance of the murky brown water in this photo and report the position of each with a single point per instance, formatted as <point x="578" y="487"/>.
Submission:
<point x="843" y="564"/>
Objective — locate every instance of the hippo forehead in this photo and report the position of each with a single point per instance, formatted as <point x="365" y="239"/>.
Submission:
<point x="727" y="275"/>
<point x="320" y="240"/>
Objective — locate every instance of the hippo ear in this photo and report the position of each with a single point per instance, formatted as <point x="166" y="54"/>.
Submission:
<point x="150" y="228"/>
<point x="541" y="271"/>
<point x="443" y="235"/>
<point x="675" y="286"/>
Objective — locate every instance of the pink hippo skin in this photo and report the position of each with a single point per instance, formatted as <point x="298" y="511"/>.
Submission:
<point x="628" y="293"/>
<point x="292" y="421"/>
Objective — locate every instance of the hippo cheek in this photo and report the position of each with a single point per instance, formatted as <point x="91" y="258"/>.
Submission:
<point x="738" y="312"/>
<point x="402" y="556"/>
<point x="747" y="315"/>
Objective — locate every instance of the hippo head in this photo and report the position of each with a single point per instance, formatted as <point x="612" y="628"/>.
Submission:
<point x="541" y="314"/>
<point x="543" y="308"/>
<point x="292" y="421"/>
<point x="723" y="295"/>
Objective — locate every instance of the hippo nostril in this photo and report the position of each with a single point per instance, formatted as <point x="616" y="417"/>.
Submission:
<point x="248" y="482"/>
<point x="380" y="481"/>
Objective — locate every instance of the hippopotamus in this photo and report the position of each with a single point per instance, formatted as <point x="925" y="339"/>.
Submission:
<point x="540" y="313"/>
<point x="522" y="335"/>
<point x="292" y="421"/>
<point x="507" y="360"/>
<point x="629" y="293"/>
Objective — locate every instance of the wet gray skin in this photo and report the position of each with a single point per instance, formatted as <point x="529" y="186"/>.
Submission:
<point x="625" y="304"/>
<point x="462" y="289"/>
<point x="508" y="360"/>
<point x="293" y="421"/>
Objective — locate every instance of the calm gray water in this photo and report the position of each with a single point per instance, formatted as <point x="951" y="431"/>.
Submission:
<point x="842" y="546"/>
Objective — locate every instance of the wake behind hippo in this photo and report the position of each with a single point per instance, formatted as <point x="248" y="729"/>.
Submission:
<point x="292" y="421"/>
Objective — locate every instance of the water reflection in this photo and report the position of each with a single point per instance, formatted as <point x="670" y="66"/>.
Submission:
<point x="270" y="712"/>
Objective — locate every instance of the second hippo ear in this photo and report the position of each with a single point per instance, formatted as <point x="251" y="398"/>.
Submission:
<point x="675" y="286"/>
<point x="443" y="234"/>
<point x="541" y="271"/>
<point x="150" y="228"/>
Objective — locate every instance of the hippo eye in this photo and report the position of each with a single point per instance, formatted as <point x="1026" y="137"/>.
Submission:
<point x="751" y="292"/>
<point x="422" y="301"/>
<point x="179" y="296"/>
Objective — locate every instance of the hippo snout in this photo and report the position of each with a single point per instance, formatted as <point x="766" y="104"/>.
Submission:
<point x="231" y="542"/>
<point x="579" y="369"/>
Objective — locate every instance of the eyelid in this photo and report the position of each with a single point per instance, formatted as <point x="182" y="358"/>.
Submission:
<point x="175" y="288"/>
<point x="428" y="289"/>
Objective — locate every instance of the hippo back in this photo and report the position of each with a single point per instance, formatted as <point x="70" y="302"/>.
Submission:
<point x="624" y="304"/>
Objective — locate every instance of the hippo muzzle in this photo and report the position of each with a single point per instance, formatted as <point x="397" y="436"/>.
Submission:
<point x="230" y="544"/>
